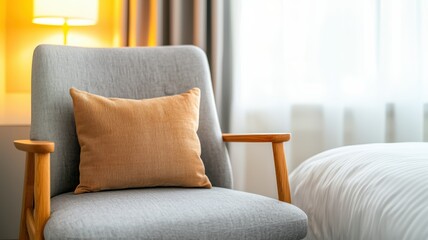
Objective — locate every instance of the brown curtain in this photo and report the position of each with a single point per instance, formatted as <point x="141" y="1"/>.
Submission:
<point x="204" y="23"/>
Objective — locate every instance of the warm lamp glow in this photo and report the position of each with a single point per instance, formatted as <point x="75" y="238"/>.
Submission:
<point x="65" y="12"/>
<point x="61" y="21"/>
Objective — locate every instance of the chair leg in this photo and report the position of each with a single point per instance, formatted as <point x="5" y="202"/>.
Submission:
<point x="281" y="172"/>
<point x="27" y="195"/>
<point x="42" y="193"/>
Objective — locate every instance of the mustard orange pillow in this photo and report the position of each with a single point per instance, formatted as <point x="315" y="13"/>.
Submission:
<point x="127" y="143"/>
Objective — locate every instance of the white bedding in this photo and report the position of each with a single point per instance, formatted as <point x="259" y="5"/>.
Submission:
<point x="373" y="191"/>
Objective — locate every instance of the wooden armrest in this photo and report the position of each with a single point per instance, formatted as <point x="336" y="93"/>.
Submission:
<point x="277" y="140"/>
<point x="35" y="146"/>
<point x="35" y="209"/>
<point x="257" y="137"/>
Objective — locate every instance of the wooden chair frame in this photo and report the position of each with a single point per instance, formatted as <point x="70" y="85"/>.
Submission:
<point x="35" y="209"/>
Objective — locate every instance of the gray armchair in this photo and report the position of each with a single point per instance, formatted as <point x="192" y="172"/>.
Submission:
<point x="49" y="208"/>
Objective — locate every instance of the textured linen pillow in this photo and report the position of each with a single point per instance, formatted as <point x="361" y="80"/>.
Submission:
<point x="127" y="143"/>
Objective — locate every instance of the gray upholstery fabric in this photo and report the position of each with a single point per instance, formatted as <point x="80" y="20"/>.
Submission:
<point x="118" y="72"/>
<point x="173" y="213"/>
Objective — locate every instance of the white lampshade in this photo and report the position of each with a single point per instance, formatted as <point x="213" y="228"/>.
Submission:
<point x="71" y="12"/>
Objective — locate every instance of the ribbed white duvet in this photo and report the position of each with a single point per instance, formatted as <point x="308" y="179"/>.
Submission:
<point x="373" y="191"/>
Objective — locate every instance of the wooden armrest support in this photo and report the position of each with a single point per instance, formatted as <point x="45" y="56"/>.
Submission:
<point x="30" y="223"/>
<point x="277" y="140"/>
<point x="257" y="137"/>
<point x="35" y="209"/>
<point x="34" y="146"/>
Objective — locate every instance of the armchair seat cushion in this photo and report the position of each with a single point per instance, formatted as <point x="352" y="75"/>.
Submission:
<point x="173" y="213"/>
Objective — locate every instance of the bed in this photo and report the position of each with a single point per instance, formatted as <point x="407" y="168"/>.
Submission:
<point x="372" y="191"/>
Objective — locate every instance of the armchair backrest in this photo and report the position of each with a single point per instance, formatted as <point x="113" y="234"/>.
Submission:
<point x="136" y="73"/>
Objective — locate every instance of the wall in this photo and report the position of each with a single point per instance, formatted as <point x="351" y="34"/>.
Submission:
<point x="18" y="38"/>
<point x="2" y="55"/>
<point x="12" y="164"/>
<point x="22" y="36"/>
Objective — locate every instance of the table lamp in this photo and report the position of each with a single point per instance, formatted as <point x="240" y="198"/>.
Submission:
<point x="65" y="13"/>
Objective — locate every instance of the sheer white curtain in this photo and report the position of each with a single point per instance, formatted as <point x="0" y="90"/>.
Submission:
<point x="331" y="72"/>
